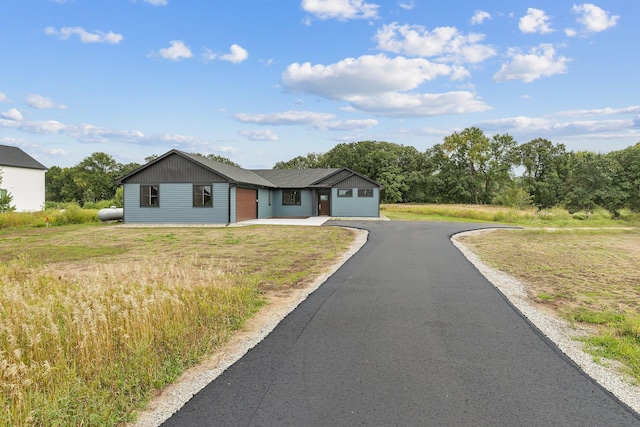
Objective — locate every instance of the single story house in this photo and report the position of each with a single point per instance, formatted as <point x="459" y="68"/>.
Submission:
<point x="22" y="179"/>
<point x="182" y="188"/>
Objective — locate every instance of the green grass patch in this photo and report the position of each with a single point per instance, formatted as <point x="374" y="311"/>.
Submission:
<point x="529" y="217"/>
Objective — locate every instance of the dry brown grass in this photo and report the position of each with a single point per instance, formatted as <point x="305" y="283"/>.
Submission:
<point x="93" y="319"/>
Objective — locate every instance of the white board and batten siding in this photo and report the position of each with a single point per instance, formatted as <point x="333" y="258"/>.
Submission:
<point x="176" y="205"/>
<point x="26" y="186"/>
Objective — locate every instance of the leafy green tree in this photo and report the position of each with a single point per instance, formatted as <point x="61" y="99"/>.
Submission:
<point x="96" y="175"/>
<point x="482" y="165"/>
<point x="310" y="161"/>
<point x="394" y="166"/>
<point x="629" y="176"/>
<point x="592" y="182"/>
<point x="545" y="171"/>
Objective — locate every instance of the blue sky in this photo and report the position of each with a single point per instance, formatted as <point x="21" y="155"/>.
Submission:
<point x="260" y="81"/>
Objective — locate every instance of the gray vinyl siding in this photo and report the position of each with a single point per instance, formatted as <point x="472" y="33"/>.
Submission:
<point x="176" y="205"/>
<point x="355" y="181"/>
<point x="265" y="210"/>
<point x="304" y="209"/>
<point x="355" y="206"/>
<point x="175" y="169"/>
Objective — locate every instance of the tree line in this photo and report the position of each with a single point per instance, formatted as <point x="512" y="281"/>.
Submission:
<point x="468" y="167"/>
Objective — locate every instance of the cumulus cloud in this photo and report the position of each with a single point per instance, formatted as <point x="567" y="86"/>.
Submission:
<point x="406" y="5"/>
<point x="378" y="84"/>
<point x="367" y="74"/>
<point x="260" y="135"/>
<point x="177" y="51"/>
<point x="4" y="98"/>
<point x="535" y="21"/>
<point x="341" y="10"/>
<point x="237" y="54"/>
<point x="479" y="17"/>
<point x="12" y="114"/>
<point x="540" y="62"/>
<point x="593" y="18"/>
<point x="447" y="44"/>
<point x="42" y="103"/>
<point x="85" y="36"/>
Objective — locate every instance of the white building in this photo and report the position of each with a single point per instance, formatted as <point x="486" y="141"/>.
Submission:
<point x="22" y="178"/>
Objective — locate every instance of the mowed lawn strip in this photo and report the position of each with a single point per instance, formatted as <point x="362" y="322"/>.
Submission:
<point x="93" y="319"/>
<point x="588" y="276"/>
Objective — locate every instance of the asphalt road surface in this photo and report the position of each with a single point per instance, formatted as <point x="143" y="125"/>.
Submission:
<point x="406" y="333"/>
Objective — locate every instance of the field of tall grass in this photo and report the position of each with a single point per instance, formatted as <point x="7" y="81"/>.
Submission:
<point x="556" y="217"/>
<point x="70" y="213"/>
<point x="93" y="319"/>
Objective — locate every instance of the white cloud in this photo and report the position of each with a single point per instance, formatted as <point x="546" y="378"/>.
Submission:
<point x="157" y="2"/>
<point x="87" y="133"/>
<point x="4" y="98"/>
<point x="42" y="103"/>
<point x="406" y="5"/>
<point x="540" y="62"/>
<point x="634" y="109"/>
<point x="260" y="135"/>
<point x="320" y="121"/>
<point x="284" y="118"/>
<point x="346" y="125"/>
<point x="177" y="51"/>
<point x="12" y="114"/>
<point x="593" y="18"/>
<point x="237" y="54"/>
<point x="479" y="17"/>
<point x="535" y="21"/>
<point x="85" y="36"/>
<point x="341" y="10"/>
<point x="208" y="55"/>
<point x="570" y="32"/>
<point x="364" y="75"/>
<point x="448" y="44"/>
<point x="420" y="105"/>
<point x="377" y="84"/>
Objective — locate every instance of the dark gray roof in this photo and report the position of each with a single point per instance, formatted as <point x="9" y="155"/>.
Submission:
<point x="294" y="178"/>
<point x="234" y="173"/>
<point x="15" y="157"/>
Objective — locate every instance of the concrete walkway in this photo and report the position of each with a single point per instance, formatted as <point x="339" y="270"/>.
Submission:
<point x="313" y="221"/>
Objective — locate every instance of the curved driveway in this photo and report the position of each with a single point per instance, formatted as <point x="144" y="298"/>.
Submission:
<point x="406" y="333"/>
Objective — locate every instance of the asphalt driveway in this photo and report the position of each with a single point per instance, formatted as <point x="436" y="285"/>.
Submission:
<point x="406" y="333"/>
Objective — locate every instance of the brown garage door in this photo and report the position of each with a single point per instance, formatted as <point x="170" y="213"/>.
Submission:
<point x="246" y="206"/>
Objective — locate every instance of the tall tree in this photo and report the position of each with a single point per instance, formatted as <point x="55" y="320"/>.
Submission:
<point x="310" y="161"/>
<point x="469" y="151"/>
<point x="629" y="176"/>
<point x="593" y="182"/>
<point x="545" y="171"/>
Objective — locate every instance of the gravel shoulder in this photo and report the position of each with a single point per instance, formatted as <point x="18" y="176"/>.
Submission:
<point x="557" y="330"/>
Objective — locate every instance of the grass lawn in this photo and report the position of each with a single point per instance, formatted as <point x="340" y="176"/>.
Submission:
<point x="93" y="318"/>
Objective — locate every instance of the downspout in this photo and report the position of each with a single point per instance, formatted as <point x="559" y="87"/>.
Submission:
<point x="229" y="198"/>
